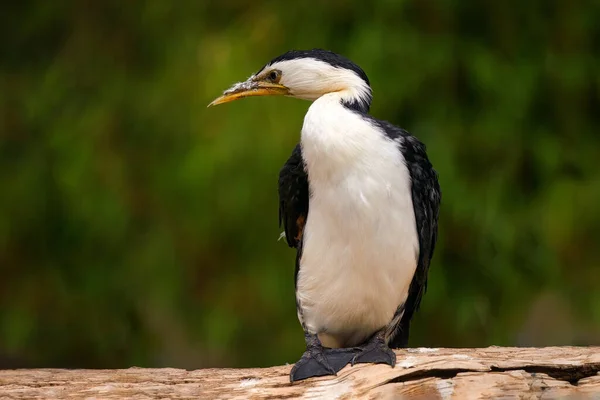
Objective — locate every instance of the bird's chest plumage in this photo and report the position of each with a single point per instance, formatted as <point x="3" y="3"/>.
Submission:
<point x="360" y="243"/>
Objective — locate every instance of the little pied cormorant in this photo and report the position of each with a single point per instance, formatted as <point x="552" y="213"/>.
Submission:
<point x="359" y="200"/>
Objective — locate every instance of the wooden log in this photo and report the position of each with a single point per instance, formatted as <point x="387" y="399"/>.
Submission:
<point x="420" y="373"/>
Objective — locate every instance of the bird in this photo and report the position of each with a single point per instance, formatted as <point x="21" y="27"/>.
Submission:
<point x="359" y="201"/>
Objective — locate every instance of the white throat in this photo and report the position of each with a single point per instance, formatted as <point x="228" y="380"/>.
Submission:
<point x="337" y="139"/>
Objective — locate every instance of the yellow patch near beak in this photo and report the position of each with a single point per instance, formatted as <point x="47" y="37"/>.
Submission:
<point x="250" y="88"/>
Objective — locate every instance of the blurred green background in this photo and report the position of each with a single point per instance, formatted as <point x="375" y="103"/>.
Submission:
<point x="138" y="227"/>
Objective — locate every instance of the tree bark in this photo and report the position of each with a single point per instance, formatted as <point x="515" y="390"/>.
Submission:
<point x="420" y="373"/>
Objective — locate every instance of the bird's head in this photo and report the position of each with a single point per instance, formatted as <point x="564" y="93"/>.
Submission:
<point x="306" y="74"/>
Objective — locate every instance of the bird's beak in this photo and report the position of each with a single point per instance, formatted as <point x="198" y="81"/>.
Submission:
<point x="249" y="88"/>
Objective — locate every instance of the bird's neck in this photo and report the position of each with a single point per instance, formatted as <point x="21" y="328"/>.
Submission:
<point x="334" y="135"/>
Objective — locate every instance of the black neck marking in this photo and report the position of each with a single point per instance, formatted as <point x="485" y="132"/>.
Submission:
<point x="359" y="105"/>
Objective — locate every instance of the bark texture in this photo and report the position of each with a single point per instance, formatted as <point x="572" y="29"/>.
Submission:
<point x="420" y="373"/>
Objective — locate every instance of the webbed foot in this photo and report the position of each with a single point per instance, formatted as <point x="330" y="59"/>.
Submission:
<point x="313" y="362"/>
<point x="340" y="357"/>
<point x="375" y="351"/>
<point x="319" y="361"/>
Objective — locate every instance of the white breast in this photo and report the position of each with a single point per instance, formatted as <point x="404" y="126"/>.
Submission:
<point x="360" y="241"/>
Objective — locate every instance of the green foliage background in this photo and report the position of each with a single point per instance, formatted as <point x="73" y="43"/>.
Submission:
<point x="138" y="227"/>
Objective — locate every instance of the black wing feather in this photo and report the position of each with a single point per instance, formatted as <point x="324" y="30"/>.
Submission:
<point x="293" y="197"/>
<point x="426" y="196"/>
<point x="293" y="202"/>
<point x="293" y="207"/>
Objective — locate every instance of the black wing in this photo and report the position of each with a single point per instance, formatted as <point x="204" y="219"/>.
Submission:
<point x="293" y="200"/>
<point x="426" y="197"/>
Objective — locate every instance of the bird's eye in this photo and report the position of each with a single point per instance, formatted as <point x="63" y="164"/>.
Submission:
<point x="274" y="76"/>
